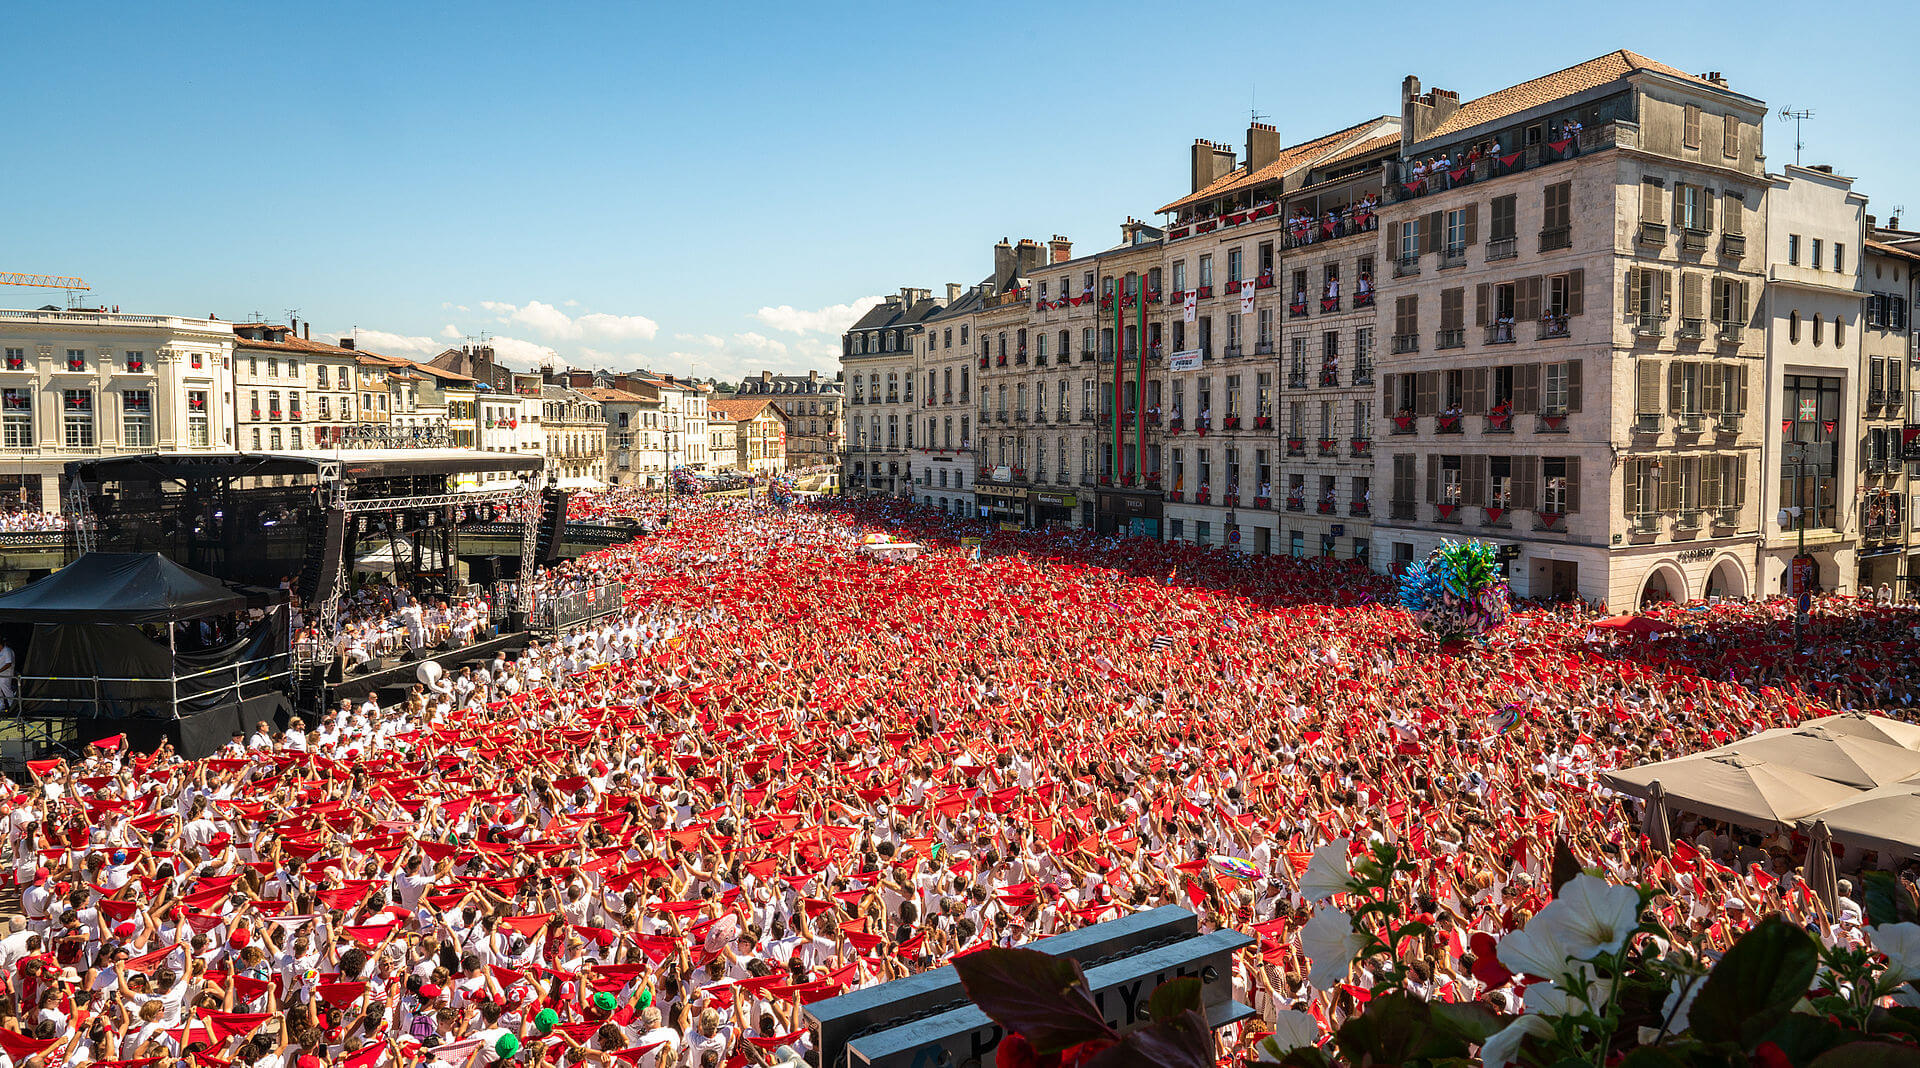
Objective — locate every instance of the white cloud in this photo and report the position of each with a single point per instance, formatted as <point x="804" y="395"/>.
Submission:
<point x="451" y="331"/>
<point x="760" y="343"/>
<point x="545" y="319"/>
<point x="571" y="303"/>
<point x="523" y="355"/>
<point x="388" y="344"/>
<point x="831" y="319"/>
<point x="712" y="341"/>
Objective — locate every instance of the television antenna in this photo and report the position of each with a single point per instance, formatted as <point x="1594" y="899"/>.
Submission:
<point x="1798" y="117"/>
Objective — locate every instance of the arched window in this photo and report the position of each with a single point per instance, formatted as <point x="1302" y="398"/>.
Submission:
<point x="1817" y="324"/>
<point x="1793" y="328"/>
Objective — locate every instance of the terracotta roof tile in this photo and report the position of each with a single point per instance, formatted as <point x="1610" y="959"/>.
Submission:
<point x="1365" y="148"/>
<point x="1547" y="88"/>
<point x="741" y="409"/>
<point x="1291" y="158"/>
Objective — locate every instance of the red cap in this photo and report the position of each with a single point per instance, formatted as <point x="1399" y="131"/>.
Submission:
<point x="429" y="991"/>
<point x="40" y="875"/>
<point x="239" y="938"/>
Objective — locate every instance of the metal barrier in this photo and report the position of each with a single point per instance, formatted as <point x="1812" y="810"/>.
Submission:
<point x="555" y="612"/>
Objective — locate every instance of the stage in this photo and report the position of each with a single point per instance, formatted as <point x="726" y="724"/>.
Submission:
<point x="401" y="675"/>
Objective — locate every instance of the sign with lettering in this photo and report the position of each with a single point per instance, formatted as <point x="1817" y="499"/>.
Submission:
<point x="1184" y="361"/>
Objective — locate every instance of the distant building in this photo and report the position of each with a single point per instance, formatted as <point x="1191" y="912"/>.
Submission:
<point x="815" y="408"/>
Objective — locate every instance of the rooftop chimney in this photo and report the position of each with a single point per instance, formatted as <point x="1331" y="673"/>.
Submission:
<point x="1211" y="162"/>
<point x="346" y="343"/>
<point x="1060" y="248"/>
<point x="1029" y="256"/>
<point x="306" y="330"/>
<point x="1003" y="264"/>
<point x="954" y="289"/>
<point x="1263" y="146"/>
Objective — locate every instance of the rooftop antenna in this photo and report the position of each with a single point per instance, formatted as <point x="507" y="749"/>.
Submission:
<point x="1798" y="117"/>
<point x="291" y="312"/>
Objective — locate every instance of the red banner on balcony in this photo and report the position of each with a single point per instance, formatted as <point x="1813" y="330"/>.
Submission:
<point x="1494" y="514"/>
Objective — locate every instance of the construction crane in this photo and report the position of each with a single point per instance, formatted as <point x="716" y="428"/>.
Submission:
<point x="42" y="281"/>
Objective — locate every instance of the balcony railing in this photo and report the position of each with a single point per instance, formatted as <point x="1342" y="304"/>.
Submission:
<point x="1552" y="326"/>
<point x="1406" y="266"/>
<point x="1363" y="300"/>
<point x="1232" y="351"/>
<point x="1403" y="343"/>
<point x="1652" y="233"/>
<point x="1454" y="338"/>
<point x="1297" y="380"/>
<point x="1330" y="226"/>
<point x="1691" y="329"/>
<point x="1646" y="423"/>
<point x="1329" y="305"/>
<point x="1411" y="186"/>
<point x="1692" y="240"/>
<point x="1650" y="326"/>
<point x="1643" y="523"/>
<point x="1731" y="333"/>
<point x="1733" y="245"/>
<point x="1357" y="507"/>
<point x="1361" y="447"/>
<point x="1296" y="309"/>
<point x="1502" y="248"/>
<point x="1453" y="256"/>
<point x="1554" y="238"/>
<point x="1500" y="332"/>
<point x="1263" y="348"/>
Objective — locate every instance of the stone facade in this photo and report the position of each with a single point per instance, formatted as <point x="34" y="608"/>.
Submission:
<point x="877" y="359"/>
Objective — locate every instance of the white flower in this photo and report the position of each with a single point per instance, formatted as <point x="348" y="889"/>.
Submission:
<point x="1503" y="1046"/>
<point x="1591" y="916"/>
<point x="1901" y="943"/>
<point x="1330" y="943"/>
<point x="1550" y="999"/>
<point x="1326" y="873"/>
<point x="1292" y="1030"/>
<point x="1674" y="1010"/>
<point x="1534" y="950"/>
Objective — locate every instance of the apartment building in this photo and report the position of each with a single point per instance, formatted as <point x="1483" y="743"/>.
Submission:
<point x="628" y="419"/>
<point x="1270" y="396"/>
<point x="1815" y="491"/>
<point x="943" y="456"/>
<point x="1593" y="419"/>
<point x="1003" y="376"/>
<point x="576" y="437"/>
<point x="1111" y="390"/>
<point x="815" y="409"/>
<point x="752" y="432"/>
<point x="293" y="392"/>
<point x="876" y="356"/>
<point x="81" y="383"/>
<point x="1889" y="272"/>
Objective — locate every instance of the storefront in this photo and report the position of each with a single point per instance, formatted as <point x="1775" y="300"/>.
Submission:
<point x="1004" y="503"/>
<point x="1052" y="509"/>
<point x="1137" y="514"/>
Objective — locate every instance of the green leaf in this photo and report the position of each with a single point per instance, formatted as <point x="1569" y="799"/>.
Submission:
<point x="1042" y="997"/>
<point x="1470" y="1021"/>
<point x="1868" y="1055"/>
<point x="1306" y="1057"/>
<point x="1565" y="867"/>
<point x="1758" y="979"/>
<point x="1899" y="1020"/>
<point x="1882" y="897"/>
<point x="1183" y="1041"/>
<point x="1651" y="1057"/>
<point x="1802" y="1037"/>
<point x="1174" y="997"/>
<point x="1397" y="1029"/>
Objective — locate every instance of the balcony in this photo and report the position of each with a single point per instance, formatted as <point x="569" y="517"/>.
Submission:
<point x="1106" y="355"/>
<point x="1358" y="507"/>
<point x="1296" y="380"/>
<point x="1500" y="332"/>
<point x="1687" y="519"/>
<point x="1646" y="423"/>
<point x="1329" y="226"/>
<point x="1296" y="446"/>
<point x="1451" y="422"/>
<point x="1725" y="518"/>
<point x="1643" y="524"/>
<point x="1552" y="420"/>
<point x="1455" y="338"/>
<point x="1232" y="351"/>
<point x="1406" y="266"/>
<point x="1363" y="300"/>
<point x="1361" y="447"/>
<point x="1297" y="309"/>
<point x="1650" y="326"/>
<point x="1727" y="423"/>
<point x="1876" y="398"/>
<point x="1555" y="522"/>
<point x="1502" y="248"/>
<point x="1731" y="333"/>
<point x="1411" y="186"/>
<point x="1329" y="377"/>
<point x="1733" y="245"/>
<point x="1263" y="348"/>
<point x="1404" y="343"/>
<point x="1500" y="419"/>
<point x="1453" y="256"/>
<point x="1400" y="509"/>
<point x="1554" y="238"/>
<point x="1692" y="240"/>
<point x="1552" y="326"/>
<point x="1691" y="329"/>
<point x="1652" y="233"/>
<point x="983" y="366"/>
<point x="1363" y="372"/>
<point x="1019" y="417"/>
<point x="1297" y="502"/>
<point x="1690" y="423"/>
<point x="1087" y="356"/>
<point x="1403" y="423"/>
<point x="1000" y="416"/>
<point x="1329" y="305"/>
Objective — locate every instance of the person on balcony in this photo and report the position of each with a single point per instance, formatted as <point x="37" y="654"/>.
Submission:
<point x="1333" y="289"/>
<point x="1300" y="298"/>
<point x="1364" y="287"/>
<point x="1266" y="491"/>
<point x="1206" y="419"/>
<point x="1503" y="328"/>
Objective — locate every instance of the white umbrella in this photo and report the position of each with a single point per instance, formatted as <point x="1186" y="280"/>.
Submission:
<point x="1735" y="788"/>
<point x="1855" y="760"/>
<point x="1876" y="728"/>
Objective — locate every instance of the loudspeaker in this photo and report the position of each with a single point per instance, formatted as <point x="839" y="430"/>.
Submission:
<point x="553" y="525"/>
<point x="322" y="567"/>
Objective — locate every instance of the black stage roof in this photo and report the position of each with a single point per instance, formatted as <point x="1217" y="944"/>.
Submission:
<point x="354" y="464"/>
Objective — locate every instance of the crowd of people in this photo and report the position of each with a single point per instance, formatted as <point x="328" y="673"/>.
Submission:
<point x="789" y="770"/>
<point x="26" y="520"/>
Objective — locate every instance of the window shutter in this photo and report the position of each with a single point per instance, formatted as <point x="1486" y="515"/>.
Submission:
<point x="1738" y="387"/>
<point x="1710" y="481"/>
<point x="1573" y="484"/>
<point x="1730" y="136"/>
<point x="1647" y="387"/>
<point x="1432" y="231"/>
<point x="1743" y="316"/>
<point x="1691" y="133"/>
<point x="1473" y="480"/>
<point x="1666" y="293"/>
<point x="1482" y="301"/>
<point x="1426" y="399"/>
<point x="1733" y="212"/>
<point x="1526" y="387"/>
<point x="1386" y="393"/>
<point x="1712" y="387"/>
<point x="1533" y="288"/>
<point x="1452" y="308"/>
<point x="1691" y="304"/>
<point x="1433" y="478"/>
<point x="1679" y="204"/>
<point x="1653" y="204"/>
<point x="1576" y="292"/>
<point x="1473" y="223"/>
<point x="1670" y="485"/>
<point x="1676" y="388"/>
<point x="1633" y="291"/>
<point x="1526" y="476"/>
<point x="1476" y="391"/>
<point x="1573" y="385"/>
<point x="1739" y="466"/>
<point x="1630" y="503"/>
<point x="1706" y="209"/>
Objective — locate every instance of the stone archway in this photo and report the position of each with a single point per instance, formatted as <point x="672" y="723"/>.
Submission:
<point x="1664" y="583"/>
<point x="1727" y="580"/>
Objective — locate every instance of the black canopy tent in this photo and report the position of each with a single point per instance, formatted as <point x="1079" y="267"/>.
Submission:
<point x="91" y="665"/>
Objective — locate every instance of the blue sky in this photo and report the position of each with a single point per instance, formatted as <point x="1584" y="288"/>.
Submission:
<point x="717" y="188"/>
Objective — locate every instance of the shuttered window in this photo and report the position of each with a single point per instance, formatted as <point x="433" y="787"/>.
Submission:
<point x="1730" y="136"/>
<point x="1653" y="200"/>
<point x="1557" y="206"/>
<point x="1690" y="132"/>
<point x="1503" y="216"/>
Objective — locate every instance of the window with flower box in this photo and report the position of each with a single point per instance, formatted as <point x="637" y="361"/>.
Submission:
<point x="16" y="418"/>
<point x="76" y="406"/>
<point x="136" y="418"/>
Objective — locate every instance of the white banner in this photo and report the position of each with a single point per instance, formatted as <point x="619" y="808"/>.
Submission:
<point x="1192" y="304"/>
<point x="1184" y="361"/>
<point x="1246" y="297"/>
